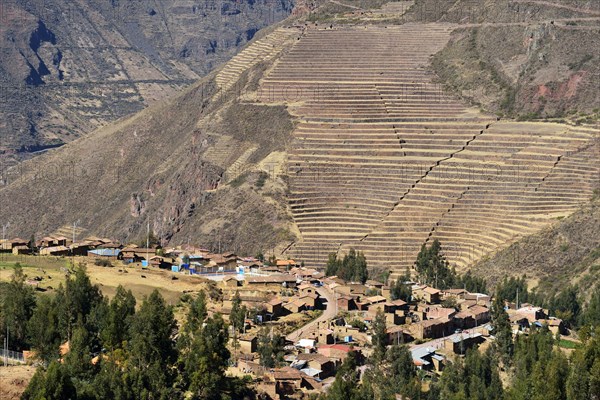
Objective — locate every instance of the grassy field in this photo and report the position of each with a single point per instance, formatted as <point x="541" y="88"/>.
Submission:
<point x="53" y="271"/>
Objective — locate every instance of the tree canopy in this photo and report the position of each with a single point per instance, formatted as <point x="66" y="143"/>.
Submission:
<point x="353" y="267"/>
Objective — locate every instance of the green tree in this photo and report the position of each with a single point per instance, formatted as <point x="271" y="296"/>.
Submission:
<point x="152" y="329"/>
<point x="42" y="329"/>
<point x="198" y="312"/>
<point x="346" y="384"/>
<point x="400" y="290"/>
<point x="583" y="381"/>
<point x="565" y="305"/>
<point x="152" y="349"/>
<point x="474" y="378"/>
<point x="31" y="245"/>
<point x="206" y="363"/>
<point x="117" y="323"/>
<point x="511" y="288"/>
<point x="333" y="265"/>
<point x="353" y="267"/>
<point x="432" y="267"/>
<point x="270" y="348"/>
<point x="237" y="317"/>
<point x="540" y="372"/>
<point x="472" y="283"/>
<point x="18" y="304"/>
<point x="77" y="298"/>
<point x="51" y="384"/>
<point x="502" y="329"/>
<point x="591" y="313"/>
<point x="111" y="381"/>
<point x="379" y="337"/>
<point x="79" y="359"/>
<point x="402" y="373"/>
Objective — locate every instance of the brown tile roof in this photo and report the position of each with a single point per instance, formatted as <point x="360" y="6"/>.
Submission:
<point x="430" y="290"/>
<point x="321" y="359"/>
<point x="287" y="373"/>
<point x="271" y="279"/>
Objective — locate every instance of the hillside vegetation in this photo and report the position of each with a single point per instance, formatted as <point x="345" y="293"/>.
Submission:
<point x="567" y="252"/>
<point x="522" y="59"/>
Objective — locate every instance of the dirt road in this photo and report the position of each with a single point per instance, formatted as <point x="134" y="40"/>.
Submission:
<point x="329" y="313"/>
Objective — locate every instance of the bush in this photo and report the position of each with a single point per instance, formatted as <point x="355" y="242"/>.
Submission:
<point x="102" y="262"/>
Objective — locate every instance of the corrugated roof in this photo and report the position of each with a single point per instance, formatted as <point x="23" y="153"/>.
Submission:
<point x="106" y="252"/>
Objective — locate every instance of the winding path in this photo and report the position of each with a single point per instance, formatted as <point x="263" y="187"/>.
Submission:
<point x="329" y="313"/>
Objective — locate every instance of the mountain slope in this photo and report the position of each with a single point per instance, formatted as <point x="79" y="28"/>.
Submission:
<point x="166" y="165"/>
<point x="318" y="138"/>
<point x="68" y="67"/>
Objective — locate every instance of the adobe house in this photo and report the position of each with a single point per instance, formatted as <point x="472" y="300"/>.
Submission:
<point x="398" y="335"/>
<point x="285" y="265"/>
<point x="10" y="244"/>
<point x="55" y="251"/>
<point x="346" y="303"/>
<point x="161" y="262"/>
<point x="427" y="294"/>
<point x="21" y="250"/>
<point x="222" y="262"/>
<point x="555" y="325"/>
<point x="431" y="329"/>
<point x="440" y="312"/>
<point x="459" y="343"/>
<point x="306" y="289"/>
<point x="318" y="362"/>
<point x="425" y="358"/>
<point x="248" y="344"/>
<point x="454" y="293"/>
<point x="357" y="288"/>
<point x="311" y="300"/>
<point x="518" y="321"/>
<point x="274" y="306"/>
<point x="374" y="284"/>
<point x="288" y="380"/>
<point x="464" y="320"/>
<point x="104" y="253"/>
<point x="386" y="292"/>
<point x="79" y="249"/>
<point x="273" y="282"/>
<point x="295" y="306"/>
<point x="395" y="305"/>
<point x="481" y="314"/>
<point x="532" y="313"/>
<point x="230" y="281"/>
<point x="325" y="336"/>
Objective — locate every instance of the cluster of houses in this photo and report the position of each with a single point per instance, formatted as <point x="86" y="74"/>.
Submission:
<point x="437" y="325"/>
<point x="189" y="259"/>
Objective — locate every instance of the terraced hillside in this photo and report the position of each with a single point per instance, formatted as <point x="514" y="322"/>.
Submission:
<point x="383" y="160"/>
<point x="316" y="138"/>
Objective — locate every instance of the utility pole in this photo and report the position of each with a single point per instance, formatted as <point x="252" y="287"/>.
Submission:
<point x="6" y="351"/>
<point x="4" y="231"/>
<point x="148" y="244"/>
<point x="73" y="245"/>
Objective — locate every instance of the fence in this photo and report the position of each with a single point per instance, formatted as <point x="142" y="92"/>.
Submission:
<point x="11" y="356"/>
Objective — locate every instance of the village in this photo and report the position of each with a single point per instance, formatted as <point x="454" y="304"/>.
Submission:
<point x="321" y="318"/>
